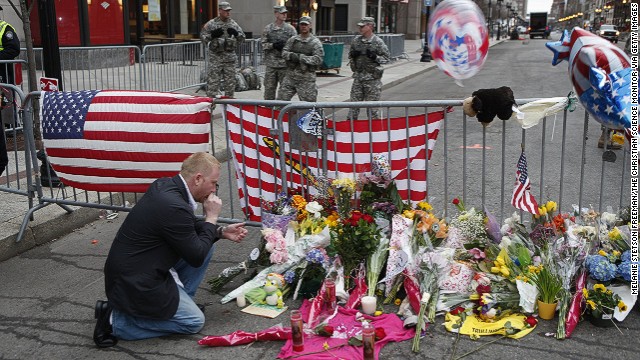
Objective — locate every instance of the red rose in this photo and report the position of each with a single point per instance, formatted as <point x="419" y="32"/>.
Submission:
<point x="456" y="201"/>
<point x="324" y="330"/>
<point x="457" y="310"/>
<point x="368" y="218"/>
<point x="380" y="334"/>
<point x="531" y="321"/>
<point x="483" y="289"/>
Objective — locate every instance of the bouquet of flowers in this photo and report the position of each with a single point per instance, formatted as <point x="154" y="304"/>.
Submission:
<point x="344" y="189"/>
<point x="470" y="225"/>
<point x="601" y="300"/>
<point x="309" y="274"/>
<point x="354" y="239"/>
<point x="546" y="226"/>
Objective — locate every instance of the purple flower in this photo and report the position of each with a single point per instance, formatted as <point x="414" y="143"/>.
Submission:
<point x="289" y="276"/>
<point x="477" y="254"/>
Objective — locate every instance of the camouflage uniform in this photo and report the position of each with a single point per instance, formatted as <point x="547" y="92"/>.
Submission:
<point x="301" y="75"/>
<point x="276" y="65"/>
<point x="366" y="57"/>
<point x="222" y="55"/>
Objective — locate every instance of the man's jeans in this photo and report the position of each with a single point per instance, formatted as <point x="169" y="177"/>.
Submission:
<point x="188" y="319"/>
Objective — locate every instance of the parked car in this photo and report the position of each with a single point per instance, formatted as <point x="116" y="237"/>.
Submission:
<point x="609" y="32"/>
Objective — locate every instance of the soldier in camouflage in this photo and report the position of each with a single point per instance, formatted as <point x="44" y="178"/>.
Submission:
<point x="223" y="35"/>
<point x="304" y="55"/>
<point x="368" y="52"/>
<point x="274" y="37"/>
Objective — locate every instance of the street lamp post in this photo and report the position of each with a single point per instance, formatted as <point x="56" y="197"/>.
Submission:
<point x="426" y="55"/>
<point x="490" y="22"/>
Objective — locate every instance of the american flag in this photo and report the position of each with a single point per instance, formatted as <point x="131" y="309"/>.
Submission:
<point x="522" y="198"/>
<point x="351" y="148"/>
<point x="121" y="141"/>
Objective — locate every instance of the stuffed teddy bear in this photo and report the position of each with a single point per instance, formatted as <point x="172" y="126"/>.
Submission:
<point x="485" y="104"/>
<point x="270" y="293"/>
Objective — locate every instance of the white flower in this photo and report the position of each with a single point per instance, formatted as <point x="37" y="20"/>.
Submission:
<point x="491" y="313"/>
<point x="314" y="208"/>
<point x="505" y="242"/>
<point x="608" y="218"/>
<point x="269" y="247"/>
<point x="425" y="297"/>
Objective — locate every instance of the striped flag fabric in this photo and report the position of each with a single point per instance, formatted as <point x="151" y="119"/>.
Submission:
<point x="121" y="141"/>
<point x="522" y="198"/>
<point x="350" y="149"/>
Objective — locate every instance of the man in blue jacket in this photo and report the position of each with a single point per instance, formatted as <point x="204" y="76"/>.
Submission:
<point x="160" y="255"/>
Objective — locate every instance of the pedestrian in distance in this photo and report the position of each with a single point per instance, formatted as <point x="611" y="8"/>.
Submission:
<point x="274" y="37"/>
<point x="367" y="54"/>
<point x="160" y="255"/>
<point x="304" y="55"/>
<point x="223" y="35"/>
<point x="9" y="50"/>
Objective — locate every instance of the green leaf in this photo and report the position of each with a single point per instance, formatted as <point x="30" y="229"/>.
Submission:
<point x="355" y="340"/>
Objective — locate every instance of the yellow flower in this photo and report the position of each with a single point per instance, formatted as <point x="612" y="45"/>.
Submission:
<point x="425" y="206"/>
<point x="615" y="233"/>
<point x="616" y="253"/>
<point x="505" y="271"/>
<point x="474" y="297"/>
<point x="500" y="261"/>
<point x="542" y="210"/>
<point x="397" y="301"/>
<point x="617" y="138"/>
<point x="298" y="202"/>
<point x="602" y="252"/>
<point x="332" y="220"/>
<point x="599" y="287"/>
<point x="326" y="346"/>
<point x="495" y="269"/>
<point x="551" y="206"/>
<point x="532" y="269"/>
<point x="377" y="313"/>
<point x="585" y="293"/>
<point x="592" y="304"/>
<point x="622" y="306"/>
<point x="409" y="214"/>
<point x="609" y="292"/>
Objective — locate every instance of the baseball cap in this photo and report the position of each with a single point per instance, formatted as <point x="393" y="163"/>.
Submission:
<point x="305" y="20"/>
<point x="366" y="20"/>
<point x="224" y="6"/>
<point x="280" y="9"/>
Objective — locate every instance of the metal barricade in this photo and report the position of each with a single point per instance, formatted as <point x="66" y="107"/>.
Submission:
<point x="395" y="43"/>
<point x="250" y="54"/>
<point x="96" y="67"/>
<point x="472" y="162"/>
<point x="172" y="67"/>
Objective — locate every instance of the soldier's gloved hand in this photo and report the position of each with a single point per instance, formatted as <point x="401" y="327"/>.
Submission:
<point x="232" y="32"/>
<point x="294" y="57"/>
<point x="217" y="33"/>
<point x="371" y="54"/>
<point x="354" y="53"/>
<point x="278" y="45"/>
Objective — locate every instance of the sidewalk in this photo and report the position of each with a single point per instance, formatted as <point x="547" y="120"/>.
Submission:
<point x="52" y="221"/>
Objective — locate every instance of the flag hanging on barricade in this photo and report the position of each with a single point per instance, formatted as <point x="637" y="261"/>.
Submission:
<point x="522" y="198"/>
<point x="350" y="149"/>
<point x="121" y="141"/>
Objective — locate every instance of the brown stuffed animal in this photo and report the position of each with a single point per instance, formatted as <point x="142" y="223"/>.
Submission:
<point x="485" y="104"/>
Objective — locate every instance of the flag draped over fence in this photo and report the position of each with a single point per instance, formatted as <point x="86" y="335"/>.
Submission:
<point x="121" y="141"/>
<point x="522" y="198"/>
<point x="351" y="147"/>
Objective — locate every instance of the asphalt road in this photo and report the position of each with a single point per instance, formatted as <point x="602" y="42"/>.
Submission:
<point x="47" y="294"/>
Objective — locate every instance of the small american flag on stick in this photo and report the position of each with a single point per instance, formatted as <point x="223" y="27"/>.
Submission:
<point x="522" y="198"/>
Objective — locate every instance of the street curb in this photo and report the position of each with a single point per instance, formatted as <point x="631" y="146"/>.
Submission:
<point x="47" y="231"/>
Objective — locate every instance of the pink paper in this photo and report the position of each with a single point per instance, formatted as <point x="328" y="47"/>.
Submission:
<point x="345" y="321"/>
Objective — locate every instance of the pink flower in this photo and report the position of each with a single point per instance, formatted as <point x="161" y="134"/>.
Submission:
<point x="278" y="257"/>
<point x="477" y="254"/>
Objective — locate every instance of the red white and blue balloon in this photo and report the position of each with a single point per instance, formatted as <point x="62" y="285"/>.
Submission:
<point x="458" y="38"/>
<point x="600" y="73"/>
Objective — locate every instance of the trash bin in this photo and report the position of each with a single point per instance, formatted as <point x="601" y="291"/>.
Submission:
<point x="332" y="57"/>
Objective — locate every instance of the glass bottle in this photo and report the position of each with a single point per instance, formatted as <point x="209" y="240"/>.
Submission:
<point x="368" y="341"/>
<point x="297" y="336"/>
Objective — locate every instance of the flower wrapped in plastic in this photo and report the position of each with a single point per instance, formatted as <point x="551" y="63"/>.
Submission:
<point x="296" y="253"/>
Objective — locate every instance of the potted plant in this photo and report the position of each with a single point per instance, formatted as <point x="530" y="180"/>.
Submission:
<point x="601" y="303"/>
<point x="549" y="286"/>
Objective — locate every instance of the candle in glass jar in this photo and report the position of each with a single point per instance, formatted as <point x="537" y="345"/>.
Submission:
<point x="330" y="295"/>
<point x="369" y="304"/>
<point x="241" y="301"/>
<point x="297" y="336"/>
<point x="368" y="341"/>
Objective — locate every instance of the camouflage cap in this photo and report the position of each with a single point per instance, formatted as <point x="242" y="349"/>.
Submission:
<point x="305" y="20"/>
<point x="280" y="9"/>
<point x="366" y="20"/>
<point x="224" y="5"/>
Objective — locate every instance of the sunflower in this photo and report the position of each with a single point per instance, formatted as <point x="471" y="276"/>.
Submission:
<point x="599" y="287"/>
